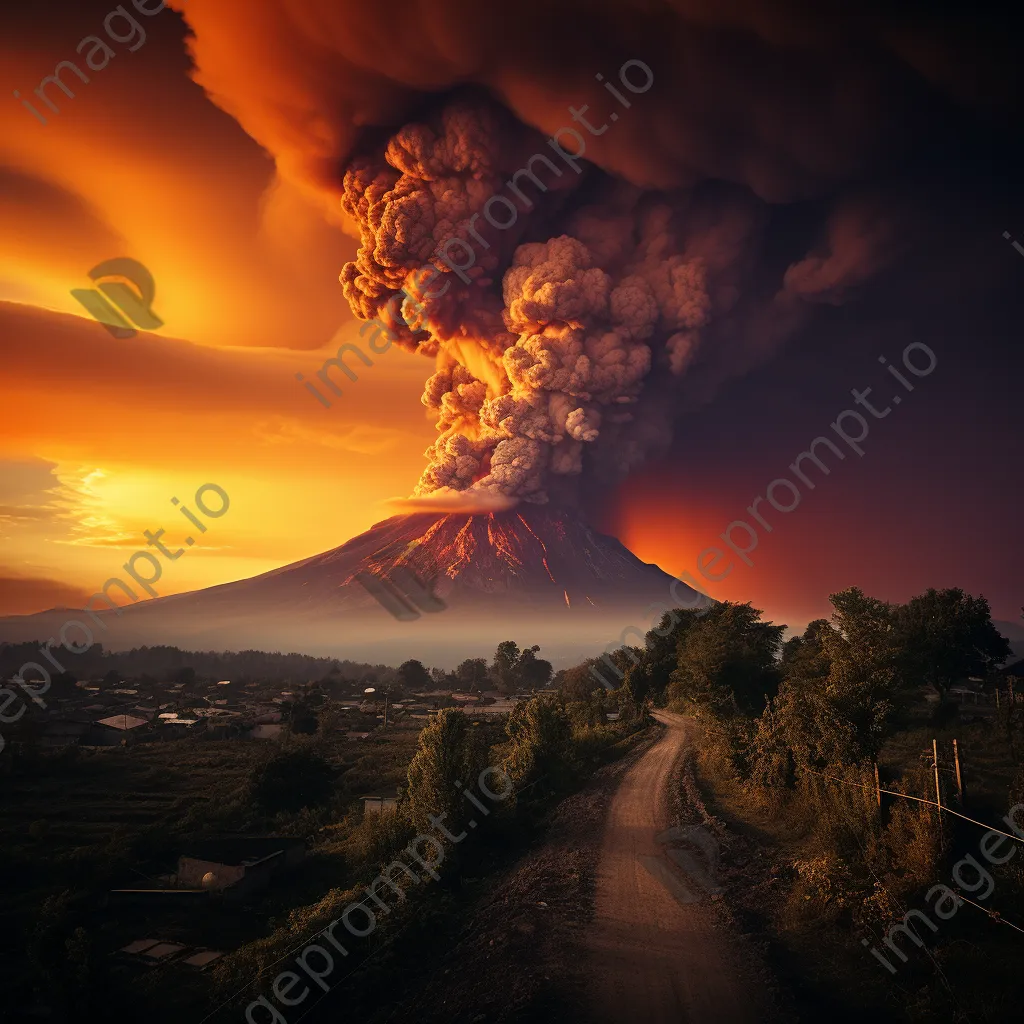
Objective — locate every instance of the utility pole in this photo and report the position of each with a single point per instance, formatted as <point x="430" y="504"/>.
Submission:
<point x="387" y="694"/>
<point x="878" y="789"/>
<point x="938" y="788"/>
<point x="959" y="778"/>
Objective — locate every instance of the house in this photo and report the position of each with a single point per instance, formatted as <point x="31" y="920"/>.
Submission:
<point x="115" y="730"/>
<point x="375" y="803"/>
<point x="240" y="866"/>
<point x="122" y="723"/>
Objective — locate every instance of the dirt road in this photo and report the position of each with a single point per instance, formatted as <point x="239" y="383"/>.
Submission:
<point x="654" y="952"/>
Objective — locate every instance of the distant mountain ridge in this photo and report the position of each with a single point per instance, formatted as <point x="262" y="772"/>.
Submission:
<point x="539" y="575"/>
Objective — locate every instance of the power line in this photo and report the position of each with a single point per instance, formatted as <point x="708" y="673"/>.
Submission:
<point x="920" y="800"/>
<point x="994" y="914"/>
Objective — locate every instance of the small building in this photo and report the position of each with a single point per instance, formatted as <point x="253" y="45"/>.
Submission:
<point x="241" y="867"/>
<point x="122" y="723"/>
<point x="115" y="730"/>
<point x="374" y="803"/>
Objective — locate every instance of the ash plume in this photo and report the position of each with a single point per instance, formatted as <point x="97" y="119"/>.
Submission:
<point x="541" y="345"/>
<point x="624" y="286"/>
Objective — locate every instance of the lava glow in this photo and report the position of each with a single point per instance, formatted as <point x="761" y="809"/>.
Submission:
<point x="542" y="547"/>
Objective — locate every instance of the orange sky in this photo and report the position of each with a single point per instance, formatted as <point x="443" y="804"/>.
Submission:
<point x="100" y="432"/>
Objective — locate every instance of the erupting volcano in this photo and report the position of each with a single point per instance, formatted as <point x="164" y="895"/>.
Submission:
<point x="532" y="573"/>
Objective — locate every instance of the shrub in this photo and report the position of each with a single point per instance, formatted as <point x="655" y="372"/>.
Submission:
<point x="291" y="780"/>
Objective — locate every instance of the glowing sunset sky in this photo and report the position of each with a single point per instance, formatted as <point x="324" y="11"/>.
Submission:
<point x="100" y="433"/>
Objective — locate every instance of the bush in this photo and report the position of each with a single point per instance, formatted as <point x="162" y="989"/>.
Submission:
<point x="379" y="838"/>
<point x="291" y="780"/>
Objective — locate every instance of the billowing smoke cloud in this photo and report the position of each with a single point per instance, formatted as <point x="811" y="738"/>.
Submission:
<point x="541" y="345"/>
<point x="575" y="304"/>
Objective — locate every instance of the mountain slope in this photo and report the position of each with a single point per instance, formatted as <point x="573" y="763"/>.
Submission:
<point x="538" y="576"/>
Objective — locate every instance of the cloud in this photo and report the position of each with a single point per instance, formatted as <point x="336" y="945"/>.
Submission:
<point x="785" y="99"/>
<point x="447" y="500"/>
<point x="141" y="164"/>
<point x="25" y="595"/>
<point x="363" y="440"/>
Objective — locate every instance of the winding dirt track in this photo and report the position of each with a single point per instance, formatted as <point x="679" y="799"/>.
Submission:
<point x="654" y="956"/>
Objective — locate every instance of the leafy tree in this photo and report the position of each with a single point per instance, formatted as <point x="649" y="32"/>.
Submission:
<point x="661" y="645"/>
<point x="946" y="636"/>
<point x="300" y="715"/>
<point x="576" y="683"/>
<point x="727" y="661"/>
<point x="506" y="658"/>
<point x="291" y="780"/>
<point x="413" y="676"/>
<point x="539" y="734"/>
<point x="472" y="673"/>
<point x="636" y="688"/>
<point x="531" y="672"/>
<point x="804" y="657"/>
<point x="841" y="695"/>
<point x="448" y="754"/>
<point x="112" y="678"/>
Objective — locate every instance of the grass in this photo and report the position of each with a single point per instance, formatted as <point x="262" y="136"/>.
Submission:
<point x="969" y="968"/>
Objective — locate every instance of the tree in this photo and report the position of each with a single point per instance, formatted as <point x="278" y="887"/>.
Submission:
<point x="413" y="676"/>
<point x="947" y="636"/>
<point x="506" y="658"/>
<point x="539" y="734"/>
<point x="727" y="661"/>
<point x="448" y="754"/>
<point x="804" y="657"/>
<point x="531" y="672"/>
<point x="291" y="780"/>
<point x="636" y="688"/>
<point x="841" y="695"/>
<point x="300" y="715"/>
<point x="576" y="683"/>
<point x="112" y="678"/>
<point x="661" y="645"/>
<point x="186" y="678"/>
<point x="472" y="673"/>
<point x="64" y="684"/>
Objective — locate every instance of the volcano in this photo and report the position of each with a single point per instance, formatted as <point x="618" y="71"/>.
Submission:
<point x="438" y="587"/>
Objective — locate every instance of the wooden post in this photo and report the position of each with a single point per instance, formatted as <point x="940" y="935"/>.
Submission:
<point x="878" y="789"/>
<point x="959" y="777"/>
<point x="938" y="788"/>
